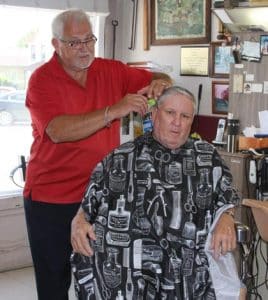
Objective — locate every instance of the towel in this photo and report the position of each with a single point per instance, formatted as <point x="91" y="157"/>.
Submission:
<point x="223" y="270"/>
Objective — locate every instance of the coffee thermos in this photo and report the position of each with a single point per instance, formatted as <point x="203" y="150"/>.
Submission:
<point x="232" y="135"/>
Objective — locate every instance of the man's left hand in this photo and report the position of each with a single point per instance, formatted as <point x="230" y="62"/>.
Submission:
<point x="155" y="88"/>
<point x="224" y="236"/>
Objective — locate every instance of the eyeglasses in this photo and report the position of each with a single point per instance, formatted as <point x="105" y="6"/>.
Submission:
<point x="76" y="44"/>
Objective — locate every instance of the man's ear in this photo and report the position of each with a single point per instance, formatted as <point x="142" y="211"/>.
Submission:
<point x="55" y="44"/>
<point x="154" y="112"/>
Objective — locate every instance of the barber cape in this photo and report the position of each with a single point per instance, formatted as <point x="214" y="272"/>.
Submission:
<point x="223" y="271"/>
<point x="152" y="208"/>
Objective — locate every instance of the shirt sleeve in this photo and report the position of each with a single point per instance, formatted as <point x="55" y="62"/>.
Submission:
<point x="43" y="100"/>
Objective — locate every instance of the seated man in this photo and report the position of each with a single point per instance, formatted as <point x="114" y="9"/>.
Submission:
<point x="148" y="209"/>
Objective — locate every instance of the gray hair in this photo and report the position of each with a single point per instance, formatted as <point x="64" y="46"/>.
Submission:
<point x="62" y="18"/>
<point x="177" y="90"/>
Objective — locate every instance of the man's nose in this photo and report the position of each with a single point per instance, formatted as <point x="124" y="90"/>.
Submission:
<point x="177" y="119"/>
<point x="83" y="46"/>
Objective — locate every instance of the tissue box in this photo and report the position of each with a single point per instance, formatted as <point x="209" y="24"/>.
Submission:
<point x="244" y="143"/>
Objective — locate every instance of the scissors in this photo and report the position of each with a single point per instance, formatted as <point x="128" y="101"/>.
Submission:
<point x="189" y="206"/>
<point x="162" y="157"/>
<point x="105" y="191"/>
<point x="159" y="195"/>
<point x="105" y="291"/>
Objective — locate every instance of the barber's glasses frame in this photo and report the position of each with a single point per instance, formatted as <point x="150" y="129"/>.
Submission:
<point x="76" y="44"/>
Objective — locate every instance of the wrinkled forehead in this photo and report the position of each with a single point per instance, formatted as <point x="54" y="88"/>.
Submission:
<point x="176" y="99"/>
<point x="74" y="26"/>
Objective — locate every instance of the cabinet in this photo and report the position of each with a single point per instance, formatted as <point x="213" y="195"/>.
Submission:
<point x="14" y="246"/>
<point x="238" y="164"/>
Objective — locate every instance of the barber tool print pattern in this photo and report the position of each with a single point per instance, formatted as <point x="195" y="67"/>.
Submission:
<point x="152" y="208"/>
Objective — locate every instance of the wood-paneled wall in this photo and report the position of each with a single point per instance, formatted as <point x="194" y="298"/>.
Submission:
<point x="245" y="106"/>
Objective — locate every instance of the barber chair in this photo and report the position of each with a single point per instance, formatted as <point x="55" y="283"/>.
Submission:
<point x="244" y="239"/>
<point x="260" y="212"/>
<point x="243" y="257"/>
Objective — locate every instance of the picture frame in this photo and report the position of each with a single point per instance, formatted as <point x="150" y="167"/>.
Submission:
<point x="194" y="60"/>
<point x="251" y="51"/>
<point x="221" y="57"/>
<point x="176" y="22"/>
<point x="220" y="97"/>
<point x="264" y="44"/>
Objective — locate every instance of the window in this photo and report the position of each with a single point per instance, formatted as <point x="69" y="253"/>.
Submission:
<point x="25" y="45"/>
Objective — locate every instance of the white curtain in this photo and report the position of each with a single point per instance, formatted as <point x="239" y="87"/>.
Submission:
<point x="98" y="6"/>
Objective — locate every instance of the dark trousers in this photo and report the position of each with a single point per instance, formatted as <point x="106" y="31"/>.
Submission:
<point x="49" y="227"/>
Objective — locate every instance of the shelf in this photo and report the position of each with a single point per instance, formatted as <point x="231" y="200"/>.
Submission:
<point x="244" y="18"/>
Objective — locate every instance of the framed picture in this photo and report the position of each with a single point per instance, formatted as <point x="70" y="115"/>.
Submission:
<point x="251" y="51"/>
<point x="220" y="97"/>
<point x="176" y="22"/>
<point x="264" y="44"/>
<point x="221" y="56"/>
<point x="194" y="61"/>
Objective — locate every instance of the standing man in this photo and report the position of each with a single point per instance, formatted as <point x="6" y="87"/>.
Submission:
<point x="76" y="102"/>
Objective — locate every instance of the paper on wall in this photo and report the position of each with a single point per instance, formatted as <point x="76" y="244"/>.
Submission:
<point x="249" y="77"/>
<point x="256" y="87"/>
<point x="237" y="83"/>
<point x="265" y="87"/>
<point x="263" y="118"/>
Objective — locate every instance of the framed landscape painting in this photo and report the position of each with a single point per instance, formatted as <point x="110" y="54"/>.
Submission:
<point x="180" y="22"/>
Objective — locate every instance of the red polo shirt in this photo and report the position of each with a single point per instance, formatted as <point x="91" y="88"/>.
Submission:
<point x="58" y="173"/>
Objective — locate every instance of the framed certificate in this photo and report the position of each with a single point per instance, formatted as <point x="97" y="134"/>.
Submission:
<point x="194" y="61"/>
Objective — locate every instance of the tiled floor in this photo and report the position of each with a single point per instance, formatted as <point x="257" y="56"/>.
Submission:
<point x="19" y="284"/>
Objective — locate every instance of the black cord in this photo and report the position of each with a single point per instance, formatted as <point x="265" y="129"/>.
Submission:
<point x="257" y="256"/>
<point x="23" y="166"/>
<point x="264" y="258"/>
<point x="253" y="291"/>
<point x="199" y="96"/>
<point x="13" y="172"/>
<point x="259" y="252"/>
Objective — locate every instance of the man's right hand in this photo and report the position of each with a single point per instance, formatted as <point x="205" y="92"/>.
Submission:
<point x="81" y="233"/>
<point x="129" y="103"/>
